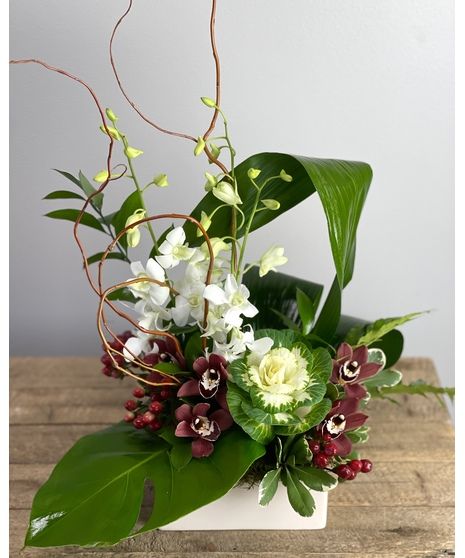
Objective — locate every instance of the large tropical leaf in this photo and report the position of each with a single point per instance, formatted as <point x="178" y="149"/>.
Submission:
<point x="342" y="187"/>
<point x="94" y="494"/>
<point x="277" y="292"/>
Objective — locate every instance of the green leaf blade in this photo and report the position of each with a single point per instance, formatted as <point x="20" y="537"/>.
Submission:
<point x="72" y="215"/>
<point x="268" y="486"/>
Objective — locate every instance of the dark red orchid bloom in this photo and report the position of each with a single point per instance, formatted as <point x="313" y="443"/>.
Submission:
<point x="342" y="418"/>
<point x="194" y="422"/>
<point x="351" y="367"/>
<point x="211" y="379"/>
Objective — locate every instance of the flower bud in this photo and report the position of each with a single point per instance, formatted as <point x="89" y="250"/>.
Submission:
<point x="133" y="234"/>
<point x="273" y="257"/>
<point x="286" y="177"/>
<point x="205" y="221"/>
<point x="208" y="102"/>
<point x="200" y="146"/>
<point x="113" y="132"/>
<point x="253" y="173"/>
<point x="271" y="204"/>
<point x="102" y="176"/>
<point x="211" y="181"/>
<point x="215" y="151"/>
<point x="161" y="181"/>
<point x="226" y="193"/>
<point x="132" y="152"/>
<point x="111" y="115"/>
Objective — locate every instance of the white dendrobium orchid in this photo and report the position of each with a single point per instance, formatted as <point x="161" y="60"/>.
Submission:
<point x="152" y="317"/>
<point x="270" y="259"/>
<point x="134" y="346"/>
<point x="240" y="341"/>
<point x="198" y="265"/>
<point x="174" y="250"/>
<point x="189" y="303"/>
<point x="146" y="290"/>
<point x="234" y="300"/>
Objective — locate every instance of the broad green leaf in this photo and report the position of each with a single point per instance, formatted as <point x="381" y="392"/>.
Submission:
<point x="123" y="294"/>
<point x="285" y="320"/>
<point x="359" y="435"/>
<point x="63" y="195"/>
<point x="375" y="331"/>
<point x="300" y="451"/>
<point x="342" y="187"/>
<point x="73" y="214"/>
<point x="299" y="496"/>
<point x="316" y="479"/>
<point x="384" y="378"/>
<point x="181" y="454"/>
<point x="94" y="494"/>
<point x="310" y="416"/>
<point x="377" y="356"/>
<point x="328" y="319"/>
<point x="131" y="203"/>
<point x="268" y="486"/>
<point x="282" y="338"/>
<point x="306" y="310"/>
<point x="322" y="365"/>
<point x="111" y="256"/>
<point x="89" y="190"/>
<point x="276" y="292"/>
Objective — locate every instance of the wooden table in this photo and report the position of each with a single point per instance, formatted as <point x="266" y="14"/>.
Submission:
<point x="404" y="508"/>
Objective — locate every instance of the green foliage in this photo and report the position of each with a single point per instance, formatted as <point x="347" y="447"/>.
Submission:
<point x="94" y="494"/>
<point x="129" y="206"/>
<point x="72" y="215"/>
<point x="374" y="332"/>
<point x="359" y="435"/>
<point x="385" y="378"/>
<point x="307" y="309"/>
<point x="123" y="294"/>
<point x="63" y="195"/>
<point x="110" y="256"/>
<point x="418" y="387"/>
<point x="268" y="486"/>
<point x="276" y="292"/>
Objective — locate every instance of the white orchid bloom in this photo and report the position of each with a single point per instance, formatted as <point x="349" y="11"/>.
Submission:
<point x="174" y="250"/>
<point x="198" y="265"/>
<point x="154" y="316"/>
<point x="158" y="294"/>
<point x="134" y="346"/>
<point x="189" y="303"/>
<point x="234" y="300"/>
<point x="240" y="341"/>
<point x="273" y="257"/>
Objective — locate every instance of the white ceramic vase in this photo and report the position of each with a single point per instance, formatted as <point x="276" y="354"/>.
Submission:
<point x="239" y="510"/>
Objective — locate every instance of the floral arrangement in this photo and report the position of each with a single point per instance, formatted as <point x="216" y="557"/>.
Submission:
<point x="242" y="375"/>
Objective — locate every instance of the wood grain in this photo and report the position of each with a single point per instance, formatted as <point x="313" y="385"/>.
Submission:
<point x="404" y="508"/>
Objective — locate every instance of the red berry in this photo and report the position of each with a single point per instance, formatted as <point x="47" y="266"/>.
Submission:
<point x="330" y="449"/>
<point x="314" y="446"/>
<point x="367" y="466"/>
<point x="165" y="393"/>
<point x="343" y="471"/>
<point x="155" y="425"/>
<point x="139" y="422"/>
<point x="355" y="465"/>
<point x="119" y="359"/>
<point x="321" y="460"/>
<point x="150" y="359"/>
<point x="155" y="397"/>
<point x="138" y="392"/>
<point x="130" y="405"/>
<point x="148" y="417"/>
<point x="129" y="417"/>
<point x="327" y="437"/>
<point x="156" y="407"/>
<point x="353" y="474"/>
<point x="106" y="360"/>
<point x="107" y="370"/>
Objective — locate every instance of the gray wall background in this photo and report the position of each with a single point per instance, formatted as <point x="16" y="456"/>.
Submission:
<point x="351" y="79"/>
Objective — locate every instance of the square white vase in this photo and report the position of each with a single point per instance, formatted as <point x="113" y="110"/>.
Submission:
<point x="239" y="510"/>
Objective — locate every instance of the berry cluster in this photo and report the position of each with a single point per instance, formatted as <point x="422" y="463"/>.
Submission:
<point x="325" y="451"/>
<point x="148" y="409"/>
<point x="118" y="345"/>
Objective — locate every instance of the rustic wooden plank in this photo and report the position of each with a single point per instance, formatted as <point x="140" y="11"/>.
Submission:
<point x="360" y="531"/>
<point x="394" y="484"/>
<point x="57" y="553"/>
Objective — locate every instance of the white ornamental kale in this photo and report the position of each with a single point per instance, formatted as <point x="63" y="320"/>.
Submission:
<point x="281" y="391"/>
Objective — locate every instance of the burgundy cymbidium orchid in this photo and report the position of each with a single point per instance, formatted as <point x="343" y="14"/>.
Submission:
<point x="351" y="367"/>
<point x="194" y="422"/>
<point x="210" y="382"/>
<point x="342" y="418"/>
